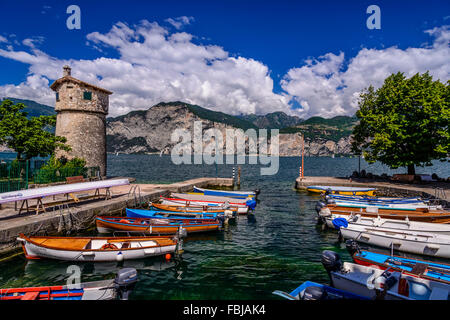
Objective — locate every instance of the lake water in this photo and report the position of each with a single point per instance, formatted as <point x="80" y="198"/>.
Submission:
<point x="277" y="249"/>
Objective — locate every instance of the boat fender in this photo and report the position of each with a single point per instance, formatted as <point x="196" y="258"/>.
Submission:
<point x="331" y="261"/>
<point x="314" y="293"/>
<point x="124" y="282"/>
<point x="352" y="247"/>
<point x="119" y="257"/>
<point x="339" y="223"/>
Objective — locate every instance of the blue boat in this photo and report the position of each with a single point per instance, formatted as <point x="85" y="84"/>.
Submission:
<point x="374" y="200"/>
<point x="316" y="291"/>
<point x="140" y="213"/>
<point x="225" y="193"/>
<point x="419" y="268"/>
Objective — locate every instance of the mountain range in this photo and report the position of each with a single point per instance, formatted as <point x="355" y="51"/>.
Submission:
<point x="149" y="131"/>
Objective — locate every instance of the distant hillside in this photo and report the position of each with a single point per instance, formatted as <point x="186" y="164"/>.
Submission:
<point x="274" y="120"/>
<point x="33" y="108"/>
<point x="320" y="128"/>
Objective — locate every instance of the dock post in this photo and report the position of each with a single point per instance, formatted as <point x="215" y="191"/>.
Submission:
<point x="239" y="177"/>
<point x="234" y="175"/>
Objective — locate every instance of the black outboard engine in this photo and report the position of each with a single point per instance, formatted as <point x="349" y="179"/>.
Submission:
<point x="352" y="246"/>
<point x="328" y="191"/>
<point x="319" y="206"/>
<point x="257" y="191"/>
<point x="331" y="261"/>
<point x="124" y="282"/>
<point x="314" y="293"/>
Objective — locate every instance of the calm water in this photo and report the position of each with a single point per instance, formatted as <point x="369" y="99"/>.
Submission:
<point x="277" y="249"/>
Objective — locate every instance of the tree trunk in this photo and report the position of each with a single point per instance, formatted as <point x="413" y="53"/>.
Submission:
<point x="411" y="169"/>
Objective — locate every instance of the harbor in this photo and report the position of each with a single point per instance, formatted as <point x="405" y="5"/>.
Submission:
<point x="71" y="216"/>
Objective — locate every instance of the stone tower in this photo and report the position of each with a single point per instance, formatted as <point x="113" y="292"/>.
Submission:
<point x="81" y="118"/>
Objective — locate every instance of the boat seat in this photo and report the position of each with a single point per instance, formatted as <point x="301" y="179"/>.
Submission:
<point x="419" y="269"/>
<point x="30" y="295"/>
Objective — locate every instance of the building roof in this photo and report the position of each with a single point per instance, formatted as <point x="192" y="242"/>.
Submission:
<point x="59" y="81"/>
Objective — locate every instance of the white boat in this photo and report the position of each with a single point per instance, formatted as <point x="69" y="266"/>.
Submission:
<point x="424" y="243"/>
<point x="226" y="193"/>
<point x="207" y="198"/>
<point x="411" y="226"/>
<point x="383" y="205"/>
<point x="374" y="283"/>
<point x="96" y="248"/>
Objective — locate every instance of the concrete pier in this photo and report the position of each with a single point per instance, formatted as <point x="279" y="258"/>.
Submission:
<point x="384" y="188"/>
<point x="69" y="219"/>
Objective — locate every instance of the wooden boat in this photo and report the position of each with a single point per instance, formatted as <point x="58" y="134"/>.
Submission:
<point x="155" y="226"/>
<point x="242" y="208"/>
<point x="225" y="193"/>
<point x="424" y="243"/>
<point x="118" y="288"/>
<point x="405" y="206"/>
<point x="352" y="191"/>
<point x="374" y="199"/>
<point x="191" y="209"/>
<point x="422" y="215"/>
<point x="414" y="267"/>
<point x="96" y="248"/>
<point x="151" y="214"/>
<point x="410" y="226"/>
<point x="316" y="291"/>
<point x="374" y="283"/>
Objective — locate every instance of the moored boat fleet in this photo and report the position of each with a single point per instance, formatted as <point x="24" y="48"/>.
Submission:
<point x="156" y="231"/>
<point x="404" y="225"/>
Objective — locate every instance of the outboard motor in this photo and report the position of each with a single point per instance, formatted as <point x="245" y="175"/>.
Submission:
<point x="331" y="261"/>
<point x="181" y="233"/>
<point x="352" y="246"/>
<point x="257" y="192"/>
<point x="314" y="293"/>
<point x="319" y="206"/>
<point x="124" y="282"/>
<point x="328" y="191"/>
<point x="331" y="201"/>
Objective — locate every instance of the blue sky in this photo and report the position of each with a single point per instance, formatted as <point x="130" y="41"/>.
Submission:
<point x="280" y="35"/>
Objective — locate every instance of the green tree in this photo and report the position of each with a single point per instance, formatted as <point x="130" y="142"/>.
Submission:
<point x="405" y="123"/>
<point x="28" y="137"/>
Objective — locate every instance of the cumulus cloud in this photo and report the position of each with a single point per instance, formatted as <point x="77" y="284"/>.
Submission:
<point x="156" y="64"/>
<point x="329" y="86"/>
<point x="179" y="22"/>
<point x="3" y="39"/>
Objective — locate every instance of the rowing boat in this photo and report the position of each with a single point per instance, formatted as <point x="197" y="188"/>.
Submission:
<point x="118" y="288"/>
<point x="411" y="226"/>
<point x="414" y="267"/>
<point x="373" y="199"/>
<point x="406" y="206"/>
<point x="225" y="193"/>
<point x="242" y="208"/>
<point x="316" y="291"/>
<point x="190" y="209"/>
<point x="423" y="243"/>
<point x="352" y="191"/>
<point x="374" y="283"/>
<point x="249" y="202"/>
<point x="152" y="214"/>
<point x="155" y="226"/>
<point x="422" y="215"/>
<point x="96" y="248"/>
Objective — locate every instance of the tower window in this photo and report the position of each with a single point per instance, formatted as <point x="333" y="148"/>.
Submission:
<point x="87" y="95"/>
<point x="57" y="96"/>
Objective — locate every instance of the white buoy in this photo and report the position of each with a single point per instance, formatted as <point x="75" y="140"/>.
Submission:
<point x="119" y="257"/>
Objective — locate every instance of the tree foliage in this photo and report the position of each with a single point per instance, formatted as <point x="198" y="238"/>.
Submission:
<point x="28" y="137"/>
<point x="405" y="122"/>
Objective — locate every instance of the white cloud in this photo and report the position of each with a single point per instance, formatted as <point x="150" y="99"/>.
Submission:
<point x="3" y="39"/>
<point x="329" y="86"/>
<point x="155" y="64"/>
<point x="179" y="22"/>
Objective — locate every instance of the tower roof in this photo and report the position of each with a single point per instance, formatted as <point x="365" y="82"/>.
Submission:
<point x="68" y="78"/>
